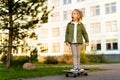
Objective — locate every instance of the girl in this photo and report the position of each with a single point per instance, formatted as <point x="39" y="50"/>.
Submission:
<point x="75" y="32"/>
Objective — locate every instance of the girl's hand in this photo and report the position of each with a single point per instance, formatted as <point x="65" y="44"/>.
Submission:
<point x="87" y="43"/>
<point x="67" y="43"/>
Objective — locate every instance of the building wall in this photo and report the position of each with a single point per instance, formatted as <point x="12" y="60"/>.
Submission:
<point x="100" y="19"/>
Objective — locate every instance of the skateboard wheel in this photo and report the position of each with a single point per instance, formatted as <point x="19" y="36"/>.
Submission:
<point x="86" y="74"/>
<point x="75" y="75"/>
<point x="67" y="75"/>
<point x="78" y="74"/>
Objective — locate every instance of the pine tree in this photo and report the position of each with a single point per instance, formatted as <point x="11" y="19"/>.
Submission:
<point x="18" y="17"/>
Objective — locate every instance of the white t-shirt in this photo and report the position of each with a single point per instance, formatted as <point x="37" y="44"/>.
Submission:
<point x="75" y="33"/>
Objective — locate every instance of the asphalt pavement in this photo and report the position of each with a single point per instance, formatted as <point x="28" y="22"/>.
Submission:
<point x="112" y="72"/>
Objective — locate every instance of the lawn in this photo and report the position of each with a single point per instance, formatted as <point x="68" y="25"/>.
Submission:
<point x="42" y="70"/>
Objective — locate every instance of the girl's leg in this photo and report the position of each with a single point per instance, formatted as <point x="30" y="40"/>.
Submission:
<point x="78" y="54"/>
<point x="74" y="54"/>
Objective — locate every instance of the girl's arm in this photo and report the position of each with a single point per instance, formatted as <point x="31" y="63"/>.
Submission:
<point x="67" y="33"/>
<point x="85" y="35"/>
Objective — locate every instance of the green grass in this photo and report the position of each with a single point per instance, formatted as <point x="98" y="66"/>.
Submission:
<point x="46" y="70"/>
<point x="17" y="72"/>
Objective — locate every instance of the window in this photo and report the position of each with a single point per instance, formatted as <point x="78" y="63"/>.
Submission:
<point x="56" y="32"/>
<point x="95" y="28"/>
<point x="24" y="49"/>
<point x="95" y="10"/>
<point x="44" y="48"/>
<point x="83" y="11"/>
<point x="111" y="26"/>
<point x="80" y="0"/>
<point x="67" y="15"/>
<point x="5" y="39"/>
<point x="112" y="44"/>
<point x="55" y="3"/>
<point x="55" y="47"/>
<point x="55" y="17"/>
<point x="110" y="8"/>
<point x="67" y="1"/>
<point x="67" y="49"/>
<point x="98" y="46"/>
<point x="92" y="46"/>
<point x="95" y="45"/>
<point x="44" y="33"/>
<point x="108" y="46"/>
<point x="64" y="1"/>
<point x="115" y="45"/>
<point x="15" y="50"/>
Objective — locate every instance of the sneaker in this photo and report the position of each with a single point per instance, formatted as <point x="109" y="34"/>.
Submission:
<point x="74" y="69"/>
<point x="80" y="69"/>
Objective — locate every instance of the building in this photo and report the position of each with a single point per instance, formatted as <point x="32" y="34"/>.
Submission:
<point x="101" y="19"/>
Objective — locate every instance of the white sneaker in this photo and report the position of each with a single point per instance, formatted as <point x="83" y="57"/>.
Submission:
<point x="74" y="69"/>
<point x="80" y="69"/>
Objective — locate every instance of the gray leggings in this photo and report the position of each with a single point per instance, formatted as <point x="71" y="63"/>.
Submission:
<point x="76" y="48"/>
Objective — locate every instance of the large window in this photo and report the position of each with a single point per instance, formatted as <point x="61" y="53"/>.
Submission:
<point x="67" y="1"/>
<point x="56" y="32"/>
<point x="95" y="10"/>
<point x="95" y="28"/>
<point x="55" y="3"/>
<point x="15" y="50"/>
<point x="56" y="47"/>
<point x="24" y="49"/>
<point x="110" y="8"/>
<point x="67" y="15"/>
<point x="44" y="33"/>
<point x="44" y="48"/>
<point x="80" y="0"/>
<point x="55" y="17"/>
<point x="111" y="26"/>
<point x="3" y="41"/>
<point x="98" y="46"/>
<point x="95" y="45"/>
<point x="112" y="44"/>
<point x="67" y="49"/>
<point x="83" y="11"/>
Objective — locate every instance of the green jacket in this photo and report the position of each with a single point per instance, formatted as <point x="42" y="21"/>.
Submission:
<point x="81" y="33"/>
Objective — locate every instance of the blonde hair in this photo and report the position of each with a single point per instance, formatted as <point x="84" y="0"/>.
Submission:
<point x="79" y="13"/>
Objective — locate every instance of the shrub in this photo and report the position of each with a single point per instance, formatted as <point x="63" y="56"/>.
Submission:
<point x="66" y="58"/>
<point x="19" y="60"/>
<point x="96" y="58"/>
<point x="34" y="55"/>
<point x="15" y="60"/>
<point x="51" y="60"/>
<point x="4" y="57"/>
<point x="83" y="58"/>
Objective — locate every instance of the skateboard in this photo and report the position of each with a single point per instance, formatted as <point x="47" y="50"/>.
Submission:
<point x="75" y="73"/>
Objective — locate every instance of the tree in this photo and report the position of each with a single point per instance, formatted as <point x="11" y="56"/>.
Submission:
<point x="18" y="17"/>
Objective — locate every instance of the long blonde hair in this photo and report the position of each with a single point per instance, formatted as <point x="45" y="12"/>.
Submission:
<point x="79" y="13"/>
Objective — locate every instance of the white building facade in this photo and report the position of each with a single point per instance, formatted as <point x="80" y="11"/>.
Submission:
<point x="101" y="19"/>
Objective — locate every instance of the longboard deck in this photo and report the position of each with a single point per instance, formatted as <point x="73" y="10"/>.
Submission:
<point x="75" y="73"/>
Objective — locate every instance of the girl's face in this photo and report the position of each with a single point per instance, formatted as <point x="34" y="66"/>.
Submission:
<point x="75" y="16"/>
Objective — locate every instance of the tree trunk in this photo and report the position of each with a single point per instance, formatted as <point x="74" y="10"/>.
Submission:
<point x="10" y="35"/>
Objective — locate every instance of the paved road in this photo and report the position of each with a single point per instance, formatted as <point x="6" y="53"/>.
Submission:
<point x="113" y="73"/>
